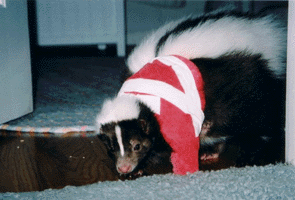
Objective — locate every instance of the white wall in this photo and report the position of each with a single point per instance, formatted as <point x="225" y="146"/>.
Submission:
<point x="290" y="104"/>
<point x="15" y="68"/>
<point x="77" y="22"/>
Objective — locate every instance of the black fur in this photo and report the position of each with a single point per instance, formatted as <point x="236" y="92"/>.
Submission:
<point x="157" y="160"/>
<point x="246" y="104"/>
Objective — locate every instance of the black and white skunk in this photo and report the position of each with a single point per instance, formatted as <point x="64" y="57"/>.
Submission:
<point x="133" y="138"/>
<point x="242" y="62"/>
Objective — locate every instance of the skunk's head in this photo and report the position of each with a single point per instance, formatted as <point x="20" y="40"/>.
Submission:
<point x="127" y="128"/>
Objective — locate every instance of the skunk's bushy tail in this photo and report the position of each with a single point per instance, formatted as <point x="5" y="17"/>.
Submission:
<point x="213" y="35"/>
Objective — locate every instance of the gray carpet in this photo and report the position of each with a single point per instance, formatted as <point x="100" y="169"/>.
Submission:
<point x="263" y="183"/>
<point x="70" y="92"/>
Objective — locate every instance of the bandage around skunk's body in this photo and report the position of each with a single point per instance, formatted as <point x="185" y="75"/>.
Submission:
<point x="172" y="87"/>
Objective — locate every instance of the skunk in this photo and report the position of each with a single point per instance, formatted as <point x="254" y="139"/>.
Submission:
<point x="133" y="138"/>
<point x="241" y="58"/>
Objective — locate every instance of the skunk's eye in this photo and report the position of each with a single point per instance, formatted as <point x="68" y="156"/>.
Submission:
<point x="136" y="147"/>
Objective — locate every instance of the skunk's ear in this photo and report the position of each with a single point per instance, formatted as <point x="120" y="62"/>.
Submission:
<point x="102" y="132"/>
<point x="102" y="135"/>
<point x="144" y="126"/>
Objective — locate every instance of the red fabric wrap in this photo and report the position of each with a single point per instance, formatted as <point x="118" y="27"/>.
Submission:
<point x="176" y="126"/>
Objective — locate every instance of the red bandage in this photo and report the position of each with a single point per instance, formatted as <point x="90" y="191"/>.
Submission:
<point x="173" y="88"/>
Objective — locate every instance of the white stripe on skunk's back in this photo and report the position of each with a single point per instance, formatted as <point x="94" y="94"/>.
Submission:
<point x="214" y="38"/>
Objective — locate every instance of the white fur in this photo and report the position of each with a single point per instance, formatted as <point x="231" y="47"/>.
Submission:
<point x="119" y="138"/>
<point x="215" y="38"/>
<point x="117" y="109"/>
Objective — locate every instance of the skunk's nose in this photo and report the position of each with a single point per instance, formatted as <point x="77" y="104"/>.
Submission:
<point x="124" y="169"/>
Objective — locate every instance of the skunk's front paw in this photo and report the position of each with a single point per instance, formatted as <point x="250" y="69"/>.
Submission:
<point x="135" y="175"/>
<point x="132" y="175"/>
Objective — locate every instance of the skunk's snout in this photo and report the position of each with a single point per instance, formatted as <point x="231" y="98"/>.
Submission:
<point x="126" y="165"/>
<point x="125" y="169"/>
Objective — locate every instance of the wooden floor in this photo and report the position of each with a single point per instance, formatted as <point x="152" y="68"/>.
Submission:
<point x="30" y="164"/>
<point x="34" y="164"/>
